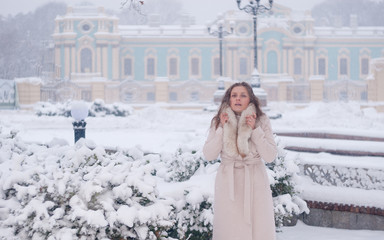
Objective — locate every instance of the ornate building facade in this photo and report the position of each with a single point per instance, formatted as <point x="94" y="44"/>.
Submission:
<point x="95" y="57"/>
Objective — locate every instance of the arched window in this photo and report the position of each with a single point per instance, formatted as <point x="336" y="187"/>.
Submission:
<point x="272" y="62"/>
<point x="86" y="60"/>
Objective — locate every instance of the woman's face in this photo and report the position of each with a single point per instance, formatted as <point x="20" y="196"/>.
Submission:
<point x="239" y="99"/>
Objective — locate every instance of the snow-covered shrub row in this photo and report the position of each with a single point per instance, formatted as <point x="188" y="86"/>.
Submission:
<point x="66" y="192"/>
<point x="370" y="179"/>
<point x="78" y="193"/>
<point x="283" y="177"/>
<point x="74" y="192"/>
<point x="96" y="109"/>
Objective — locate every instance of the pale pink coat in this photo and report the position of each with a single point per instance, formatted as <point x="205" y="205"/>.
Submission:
<point x="243" y="207"/>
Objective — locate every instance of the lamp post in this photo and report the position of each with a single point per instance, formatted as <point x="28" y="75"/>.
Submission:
<point x="220" y="33"/>
<point x="79" y="112"/>
<point x="254" y="7"/>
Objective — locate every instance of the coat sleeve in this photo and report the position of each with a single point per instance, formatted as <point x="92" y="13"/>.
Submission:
<point x="213" y="144"/>
<point x="263" y="138"/>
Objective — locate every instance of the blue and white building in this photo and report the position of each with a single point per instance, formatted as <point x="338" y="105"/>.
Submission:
<point x="180" y="63"/>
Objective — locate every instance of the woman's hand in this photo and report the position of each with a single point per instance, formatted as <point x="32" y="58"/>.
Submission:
<point x="223" y="118"/>
<point x="251" y="120"/>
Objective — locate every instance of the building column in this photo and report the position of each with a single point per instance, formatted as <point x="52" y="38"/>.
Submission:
<point x="58" y="67"/>
<point x="67" y="61"/>
<point x="104" y="59"/>
<point x="375" y="89"/>
<point x="28" y="92"/>
<point x="73" y="61"/>
<point x="115" y="62"/>
<point x="161" y="89"/>
<point x="317" y="88"/>
<point x="98" y="59"/>
<point x="285" y="60"/>
<point x="290" y="62"/>
<point x="282" y="94"/>
<point x="98" y="90"/>
<point x="311" y="62"/>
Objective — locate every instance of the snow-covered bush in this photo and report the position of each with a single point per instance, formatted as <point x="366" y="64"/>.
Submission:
<point x="82" y="194"/>
<point x="100" y="109"/>
<point x="96" y="109"/>
<point x="74" y="192"/>
<point x="49" y="109"/>
<point x="182" y="165"/>
<point x="194" y="216"/>
<point x="283" y="173"/>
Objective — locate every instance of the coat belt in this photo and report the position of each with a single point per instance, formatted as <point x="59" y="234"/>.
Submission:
<point x="245" y="163"/>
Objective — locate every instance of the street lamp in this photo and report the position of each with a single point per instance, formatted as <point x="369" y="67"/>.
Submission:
<point x="79" y="112"/>
<point x="254" y="7"/>
<point x="220" y="33"/>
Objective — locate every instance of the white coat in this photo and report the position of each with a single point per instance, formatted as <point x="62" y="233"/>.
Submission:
<point x="243" y="207"/>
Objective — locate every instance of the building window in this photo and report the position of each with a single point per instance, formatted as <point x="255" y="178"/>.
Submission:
<point x="173" y="66"/>
<point x="150" y="96"/>
<point x="128" y="97"/>
<point x="272" y="62"/>
<point x="216" y="66"/>
<point x="173" y="96"/>
<point x="297" y="66"/>
<point x="194" y="96"/>
<point x="86" y="95"/>
<point x="195" y="66"/>
<point x="343" y="66"/>
<point x="243" y="66"/>
<point x="151" y="66"/>
<point x="128" y="67"/>
<point x="321" y="66"/>
<point x="364" y="66"/>
<point x="86" y="60"/>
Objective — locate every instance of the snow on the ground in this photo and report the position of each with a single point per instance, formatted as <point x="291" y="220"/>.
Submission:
<point x="335" y="144"/>
<point x="342" y="195"/>
<point x="157" y="130"/>
<point x="304" y="232"/>
<point x="338" y="117"/>
<point x="339" y="160"/>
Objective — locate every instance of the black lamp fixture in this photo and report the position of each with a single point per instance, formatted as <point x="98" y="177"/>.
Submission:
<point x="220" y="33"/>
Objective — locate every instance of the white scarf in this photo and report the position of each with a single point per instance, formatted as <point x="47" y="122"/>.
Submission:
<point x="236" y="132"/>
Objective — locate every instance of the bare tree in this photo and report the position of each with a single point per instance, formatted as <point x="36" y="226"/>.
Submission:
<point x="368" y="12"/>
<point x="21" y="39"/>
<point x="136" y="12"/>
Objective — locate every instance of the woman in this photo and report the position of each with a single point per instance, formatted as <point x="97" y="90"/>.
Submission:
<point x="241" y="133"/>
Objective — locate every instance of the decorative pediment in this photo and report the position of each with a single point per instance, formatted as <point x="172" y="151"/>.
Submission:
<point x="85" y="40"/>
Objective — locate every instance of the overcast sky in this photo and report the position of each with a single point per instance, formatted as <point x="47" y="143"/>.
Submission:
<point x="203" y="10"/>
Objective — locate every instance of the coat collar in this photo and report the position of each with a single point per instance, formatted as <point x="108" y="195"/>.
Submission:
<point x="236" y="132"/>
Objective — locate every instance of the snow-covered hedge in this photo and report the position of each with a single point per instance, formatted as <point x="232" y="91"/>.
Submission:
<point x="74" y="192"/>
<point x="283" y="176"/>
<point x="65" y="192"/>
<point x="96" y="109"/>
<point x="341" y="176"/>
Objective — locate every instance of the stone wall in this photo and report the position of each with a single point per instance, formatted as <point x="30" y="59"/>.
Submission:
<point x="343" y="216"/>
